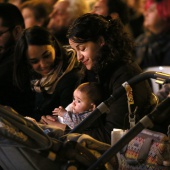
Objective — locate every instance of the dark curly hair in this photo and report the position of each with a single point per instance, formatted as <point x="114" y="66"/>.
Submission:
<point x="90" y="27"/>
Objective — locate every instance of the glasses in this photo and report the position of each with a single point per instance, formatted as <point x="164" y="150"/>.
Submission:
<point x="3" y="32"/>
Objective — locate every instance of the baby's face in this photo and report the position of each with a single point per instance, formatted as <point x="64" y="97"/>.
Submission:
<point x="81" y="102"/>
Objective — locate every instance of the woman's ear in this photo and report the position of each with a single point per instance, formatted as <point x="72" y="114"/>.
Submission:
<point x="93" y="107"/>
<point x="101" y="41"/>
<point x="17" y="31"/>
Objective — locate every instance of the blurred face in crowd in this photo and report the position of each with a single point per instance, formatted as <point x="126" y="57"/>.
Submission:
<point x="59" y="16"/>
<point x="7" y="38"/>
<point x="41" y="58"/>
<point x="137" y="5"/>
<point x="15" y="2"/>
<point x="152" y="20"/>
<point x="29" y="18"/>
<point x="141" y="6"/>
<point x="100" y="8"/>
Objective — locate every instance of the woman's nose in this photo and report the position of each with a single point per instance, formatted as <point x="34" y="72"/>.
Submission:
<point x="42" y="63"/>
<point x="79" y="56"/>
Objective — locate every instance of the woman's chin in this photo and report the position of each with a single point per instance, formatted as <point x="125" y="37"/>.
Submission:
<point x="88" y="67"/>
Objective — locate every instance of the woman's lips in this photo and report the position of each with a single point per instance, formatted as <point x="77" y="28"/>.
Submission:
<point x="85" y="62"/>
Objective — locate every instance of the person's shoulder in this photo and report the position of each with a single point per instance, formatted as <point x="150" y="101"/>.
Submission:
<point x="72" y="76"/>
<point x="129" y="69"/>
<point x="142" y="38"/>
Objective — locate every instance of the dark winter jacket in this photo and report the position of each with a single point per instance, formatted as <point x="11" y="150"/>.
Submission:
<point x="111" y="79"/>
<point x="10" y="95"/>
<point x="153" y="50"/>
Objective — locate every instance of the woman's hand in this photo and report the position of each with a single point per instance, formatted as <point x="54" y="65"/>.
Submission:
<point x="51" y="120"/>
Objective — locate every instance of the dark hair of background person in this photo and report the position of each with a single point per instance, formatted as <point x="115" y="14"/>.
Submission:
<point x="119" y="7"/>
<point x="11" y="18"/>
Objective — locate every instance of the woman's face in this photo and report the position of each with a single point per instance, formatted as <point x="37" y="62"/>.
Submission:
<point x="152" y="20"/>
<point x="86" y="52"/>
<point x="41" y="58"/>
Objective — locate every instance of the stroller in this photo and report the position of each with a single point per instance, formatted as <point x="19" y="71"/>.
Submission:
<point x="25" y="145"/>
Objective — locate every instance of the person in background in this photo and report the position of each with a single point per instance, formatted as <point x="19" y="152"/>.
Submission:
<point x="91" y="4"/>
<point x="51" y="70"/>
<point x="153" y="47"/>
<point x="113" y="8"/>
<point x="63" y="14"/>
<point x="11" y="26"/>
<point x="17" y="3"/>
<point x="50" y="2"/>
<point x="106" y="52"/>
<point x="35" y="12"/>
<point x="86" y="97"/>
<point x="136" y="18"/>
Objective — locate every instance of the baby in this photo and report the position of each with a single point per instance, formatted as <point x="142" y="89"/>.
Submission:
<point x="85" y="99"/>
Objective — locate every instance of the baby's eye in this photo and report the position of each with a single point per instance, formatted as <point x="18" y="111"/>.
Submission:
<point x="78" y="101"/>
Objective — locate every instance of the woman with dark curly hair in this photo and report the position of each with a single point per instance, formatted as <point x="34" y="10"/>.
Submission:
<point x="105" y="51"/>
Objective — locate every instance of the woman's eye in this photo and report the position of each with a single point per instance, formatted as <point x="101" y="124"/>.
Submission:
<point x="83" y="48"/>
<point x="46" y="56"/>
<point x="33" y="61"/>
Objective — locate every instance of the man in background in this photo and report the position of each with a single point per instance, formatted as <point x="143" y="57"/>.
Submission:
<point x="63" y="14"/>
<point x="116" y="9"/>
<point x="11" y="25"/>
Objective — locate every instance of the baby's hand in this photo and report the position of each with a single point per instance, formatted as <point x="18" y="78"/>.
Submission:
<point x="56" y="111"/>
<point x="59" y="111"/>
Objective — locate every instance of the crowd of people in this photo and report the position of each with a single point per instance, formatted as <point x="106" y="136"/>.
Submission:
<point x="51" y="53"/>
